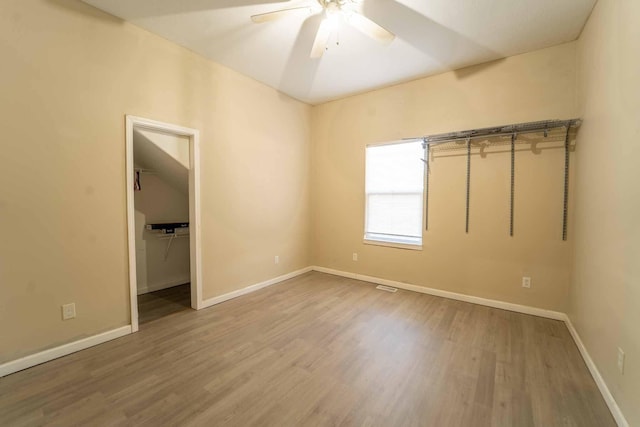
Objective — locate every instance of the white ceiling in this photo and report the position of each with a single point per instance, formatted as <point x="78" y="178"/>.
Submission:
<point x="432" y="36"/>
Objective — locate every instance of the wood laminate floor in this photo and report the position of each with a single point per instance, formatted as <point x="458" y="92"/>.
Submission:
<point x="319" y="350"/>
<point x="157" y="304"/>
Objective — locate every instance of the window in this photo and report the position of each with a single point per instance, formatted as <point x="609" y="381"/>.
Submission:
<point x="394" y="194"/>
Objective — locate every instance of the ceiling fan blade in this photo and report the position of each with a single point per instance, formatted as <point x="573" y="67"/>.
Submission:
<point x="271" y="16"/>
<point x="322" y="38"/>
<point x="368" y="27"/>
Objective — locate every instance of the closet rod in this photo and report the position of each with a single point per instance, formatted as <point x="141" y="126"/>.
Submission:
<point x="520" y="128"/>
<point x="171" y="236"/>
<point x="143" y="170"/>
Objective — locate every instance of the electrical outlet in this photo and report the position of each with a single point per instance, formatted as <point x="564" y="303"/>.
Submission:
<point x="355" y="256"/>
<point x="69" y="311"/>
<point x="276" y="260"/>
<point x="526" y="282"/>
<point x="620" y="360"/>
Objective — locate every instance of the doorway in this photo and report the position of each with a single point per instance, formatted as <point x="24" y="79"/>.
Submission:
<point x="163" y="218"/>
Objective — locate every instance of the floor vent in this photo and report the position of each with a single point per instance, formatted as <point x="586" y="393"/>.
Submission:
<point x="386" y="288"/>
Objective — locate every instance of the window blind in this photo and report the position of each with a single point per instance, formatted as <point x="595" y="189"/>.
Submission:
<point x="394" y="193"/>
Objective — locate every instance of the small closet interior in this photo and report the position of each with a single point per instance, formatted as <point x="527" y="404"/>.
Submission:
<point x="161" y="198"/>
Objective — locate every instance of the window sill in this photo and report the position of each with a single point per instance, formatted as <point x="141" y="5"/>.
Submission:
<point x="392" y="244"/>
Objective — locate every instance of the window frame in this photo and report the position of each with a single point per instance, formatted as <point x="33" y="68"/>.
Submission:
<point x="367" y="240"/>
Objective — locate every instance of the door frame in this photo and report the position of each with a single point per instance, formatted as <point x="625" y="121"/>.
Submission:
<point x="195" y="247"/>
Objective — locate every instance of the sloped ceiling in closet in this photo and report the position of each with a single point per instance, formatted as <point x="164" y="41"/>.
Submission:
<point x="164" y="155"/>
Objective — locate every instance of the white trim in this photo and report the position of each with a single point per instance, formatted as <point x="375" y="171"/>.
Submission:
<point x="63" y="350"/>
<point x="549" y="314"/>
<point x="389" y="244"/>
<point x="195" y="238"/>
<point x="555" y="315"/>
<point x="595" y="373"/>
<point x="194" y="208"/>
<point x="394" y="142"/>
<point x="252" y="288"/>
<point x="131" y="224"/>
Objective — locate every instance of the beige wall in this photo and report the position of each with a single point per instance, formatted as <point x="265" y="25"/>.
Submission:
<point x="605" y="293"/>
<point x="70" y="74"/>
<point x="486" y="262"/>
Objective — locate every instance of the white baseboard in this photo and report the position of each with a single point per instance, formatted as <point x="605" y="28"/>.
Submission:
<point x="63" y="350"/>
<point x="541" y="312"/>
<point x="222" y="298"/>
<point x="159" y="286"/>
<point x="556" y="315"/>
<point x="595" y="373"/>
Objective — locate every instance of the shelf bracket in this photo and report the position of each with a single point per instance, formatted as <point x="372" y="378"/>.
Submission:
<point x="468" y="183"/>
<point x="565" y="203"/>
<point x="513" y="181"/>
<point x="426" y="184"/>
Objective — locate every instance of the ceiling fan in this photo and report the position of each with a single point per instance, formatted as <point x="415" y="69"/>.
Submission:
<point x="334" y="11"/>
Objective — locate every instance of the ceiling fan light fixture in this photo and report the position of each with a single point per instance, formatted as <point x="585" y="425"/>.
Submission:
<point x="335" y="11"/>
<point x="283" y="13"/>
<point x="369" y="28"/>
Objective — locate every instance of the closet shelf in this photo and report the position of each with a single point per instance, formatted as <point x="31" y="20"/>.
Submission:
<point x="497" y="131"/>
<point x="167" y="227"/>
